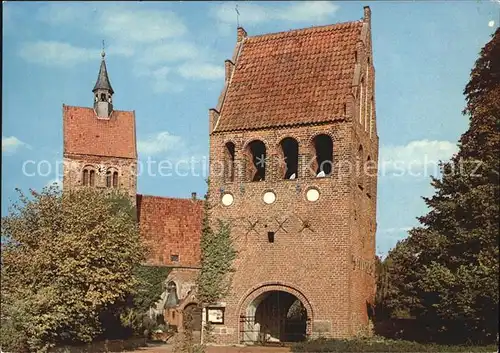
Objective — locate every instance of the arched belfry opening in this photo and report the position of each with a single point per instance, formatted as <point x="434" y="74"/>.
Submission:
<point x="290" y="151"/>
<point x="274" y="316"/>
<point x="323" y="148"/>
<point x="256" y="152"/>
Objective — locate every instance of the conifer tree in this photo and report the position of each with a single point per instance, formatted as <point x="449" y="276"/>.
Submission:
<point x="446" y="272"/>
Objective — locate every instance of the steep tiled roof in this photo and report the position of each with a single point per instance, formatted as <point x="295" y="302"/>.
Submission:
<point x="85" y="133"/>
<point x="171" y="226"/>
<point x="290" y="78"/>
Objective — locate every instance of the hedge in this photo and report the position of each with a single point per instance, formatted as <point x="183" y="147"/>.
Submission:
<point x="382" y="345"/>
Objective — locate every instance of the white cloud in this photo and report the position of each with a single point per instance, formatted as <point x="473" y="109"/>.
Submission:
<point x="159" y="78"/>
<point x="126" y="50"/>
<point x="11" y="144"/>
<point x="167" y="149"/>
<point x="309" y="11"/>
<point x="65" y="13"/>
<point x="53" y="53"/>
<point x="162" y="142"/>
<point x="120" y="23"/>
<point x="169" y="52"/>
<point x="140" y="25"/>
<point x="201" y="71"/>
<point x="153" y="39"/>
<point x="416" y="155"/>
<point x="250" y="13"/>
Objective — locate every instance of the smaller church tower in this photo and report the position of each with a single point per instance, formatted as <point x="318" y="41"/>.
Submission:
<point x="103" y="92"/>
<point x="99" y="143"/>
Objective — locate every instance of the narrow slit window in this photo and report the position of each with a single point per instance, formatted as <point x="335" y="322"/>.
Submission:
<point x="369" y="171"/>
<point x="115" y="179"/>
<point x="360" y="166"/>
<point x="270" y="237"/>
<point x="174" y="258"/>
<point x="371" y="117"/>
<point x="365" y="103"/>
<point x="92" y="178"/>
<point x="230" y="157"/>
<point x="85" y="177"/>
<point x="108" y="179"/>
<point x="361" y="92"/>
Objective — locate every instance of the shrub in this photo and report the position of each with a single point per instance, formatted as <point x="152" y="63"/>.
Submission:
<point x="381" y="345"/>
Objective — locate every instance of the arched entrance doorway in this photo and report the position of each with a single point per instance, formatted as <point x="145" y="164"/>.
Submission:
<point x="191" y="321"/>
<point x="274" y="316"/>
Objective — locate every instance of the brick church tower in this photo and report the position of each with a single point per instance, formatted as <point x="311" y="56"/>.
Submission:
<point x="294" y="151"/>
<point x="99" y="143"/>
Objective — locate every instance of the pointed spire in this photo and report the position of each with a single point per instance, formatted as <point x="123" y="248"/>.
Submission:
<point x="103" y="79"/>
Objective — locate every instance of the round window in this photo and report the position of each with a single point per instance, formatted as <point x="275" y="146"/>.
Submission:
<point x="312" y="195"/>
<point x="269" y="197"/>
<point x="227" y="199"/>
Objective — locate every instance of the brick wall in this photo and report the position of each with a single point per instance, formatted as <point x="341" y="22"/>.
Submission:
<point x="171" y="228"/>
<point x="317" y="261"/>
<point x="364" y="187"/>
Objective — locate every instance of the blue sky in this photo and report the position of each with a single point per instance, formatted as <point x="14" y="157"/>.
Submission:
<point x="166" y="60"/>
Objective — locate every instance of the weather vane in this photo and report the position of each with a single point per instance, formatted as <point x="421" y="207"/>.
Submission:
<point x="237" y="16"/>
<point x="103" y="47"/>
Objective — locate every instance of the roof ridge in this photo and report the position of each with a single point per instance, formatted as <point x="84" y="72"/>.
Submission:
<point x="304" y="30"/>
<point x="91" y="108"/>
<point x="170" y="197"/>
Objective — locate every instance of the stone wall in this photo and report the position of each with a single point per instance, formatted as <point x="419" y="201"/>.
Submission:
<point x="75" y="164"/>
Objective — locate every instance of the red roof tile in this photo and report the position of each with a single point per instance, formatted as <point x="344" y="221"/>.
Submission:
<point x="289" y="78"/>
<point x="85" y="133"/>
<point x="171" y="226"/>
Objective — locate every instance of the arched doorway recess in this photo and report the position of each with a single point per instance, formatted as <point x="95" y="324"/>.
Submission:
<point x="274" y="314"/>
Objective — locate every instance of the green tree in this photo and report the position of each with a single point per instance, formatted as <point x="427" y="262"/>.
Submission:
<point x="148" y="291"/>
<point x="68" y="258"/>
<point x="446" y="272"/>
